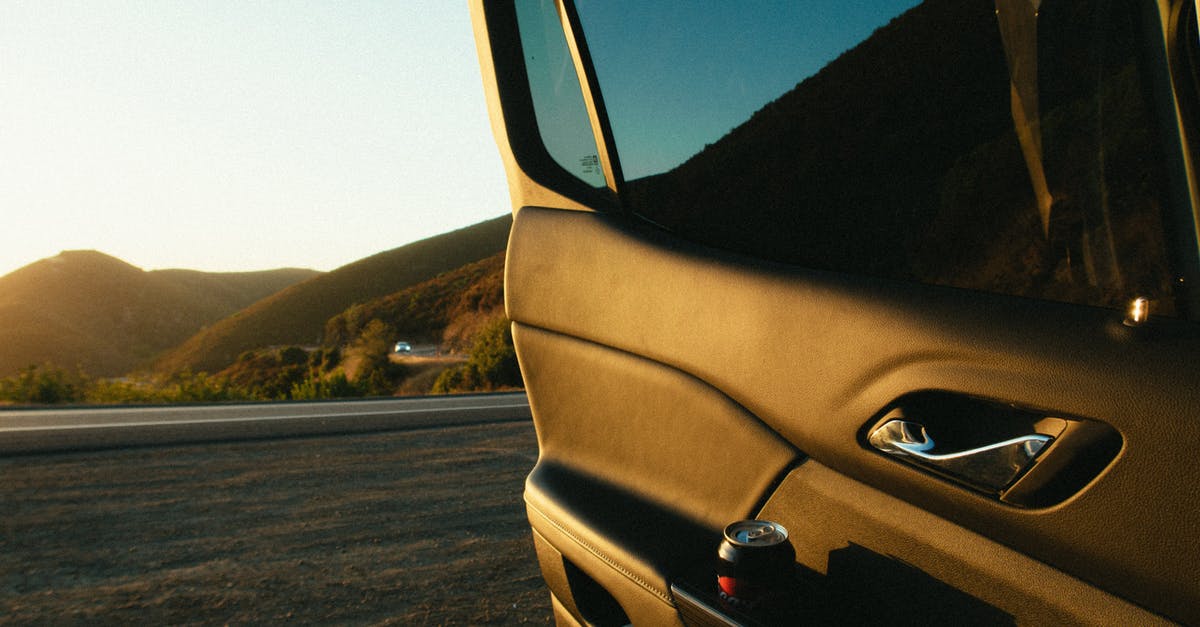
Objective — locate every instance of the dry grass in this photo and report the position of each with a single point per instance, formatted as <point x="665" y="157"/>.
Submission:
<point x="420" y="527"/>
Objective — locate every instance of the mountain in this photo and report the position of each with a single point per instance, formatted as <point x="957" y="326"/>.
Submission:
<point x="87" y="309"/>
<point x="901" y="159"/>
<point x="297" y="315"/>
<point x="866" y="138"/>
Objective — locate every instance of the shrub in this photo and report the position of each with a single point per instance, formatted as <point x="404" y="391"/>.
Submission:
<point x="336" y="386"/>
<point x="377" y="375"/>
<point x="293" y="356"/>
<point x="332" y="358"/>
<point x="279" y="384"/>
<point x="493" y="356"/>
<point x="492" y="363"/>
<point x="188" y="387"/>
<point x="125" y="391"/>
<point x="43" y="385"/>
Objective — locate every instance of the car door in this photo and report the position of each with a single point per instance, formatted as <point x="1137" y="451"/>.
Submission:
<point x="912" y="280"/>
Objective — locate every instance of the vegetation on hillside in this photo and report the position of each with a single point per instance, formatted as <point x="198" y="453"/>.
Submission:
<point x="453" y="302"/>
<point x="491" y="366"/>
<point x="461" y="311"/>
<point x="298" y="315"/>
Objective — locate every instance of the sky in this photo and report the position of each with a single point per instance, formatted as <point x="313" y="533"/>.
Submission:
<point x="225" y="135"/>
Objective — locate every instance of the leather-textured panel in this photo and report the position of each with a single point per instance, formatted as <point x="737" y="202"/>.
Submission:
<point x="647" y="429"/>
<point x="844" y="530"/>
<point x="639" y="467"/>
<point x="641" y="607"/>
<point x="816" y="355"/>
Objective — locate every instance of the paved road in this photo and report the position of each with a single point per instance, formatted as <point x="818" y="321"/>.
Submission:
<point x="44" y="430"/>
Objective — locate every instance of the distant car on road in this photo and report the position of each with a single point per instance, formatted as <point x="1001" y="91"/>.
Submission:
<point x="402" y="347"/>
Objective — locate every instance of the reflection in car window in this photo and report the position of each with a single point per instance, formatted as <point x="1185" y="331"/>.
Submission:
<point x="557" y="100"/>
<point x="996" y="145"/>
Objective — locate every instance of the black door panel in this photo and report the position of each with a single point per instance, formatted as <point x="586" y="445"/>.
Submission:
<point x="815" y="356"/>
<point x="879" y="560"/>
<point x="649" y="430"/>
<point x="640" y="465"/>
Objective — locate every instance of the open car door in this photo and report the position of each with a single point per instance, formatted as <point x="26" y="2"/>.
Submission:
<point x="914" y="281"/>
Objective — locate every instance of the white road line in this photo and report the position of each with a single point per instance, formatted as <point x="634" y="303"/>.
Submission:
<point x="347" y="414"/>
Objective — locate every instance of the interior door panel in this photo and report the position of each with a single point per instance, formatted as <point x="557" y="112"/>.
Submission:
<point x="617" y="369"/>
<point x="917" y="568"/>
<point x="678" y="442"/>
<point x="641" y="495"/>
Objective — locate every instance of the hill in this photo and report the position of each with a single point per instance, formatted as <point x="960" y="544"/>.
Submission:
<point x="866" y="138"/>
<point x="87" y="309"/>
<point x="900" y="159"/>
<point x="444" y="310"/>
<point x="452" y="311"/>
<point x="297" y="315"/>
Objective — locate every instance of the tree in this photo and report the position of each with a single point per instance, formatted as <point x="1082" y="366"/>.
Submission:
<point x="377" y="375"/>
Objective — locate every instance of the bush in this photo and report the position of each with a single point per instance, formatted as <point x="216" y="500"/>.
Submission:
<point x="124" y="392"/>
<point x="188" y="387"/>
<point x="293" y="356"/>
<point x="184" y="387"/>
<point x="332" y="358"/>
<point x="493" y="356"/>
<point x="492" y="363"/>
<point x="278" y="386"/>
<point x="377" y="375"/>
<point x="43" y="385"/>
<point x="336" y="386"/>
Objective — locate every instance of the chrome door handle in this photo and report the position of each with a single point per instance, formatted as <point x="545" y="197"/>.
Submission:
<point x="992" y="467"/>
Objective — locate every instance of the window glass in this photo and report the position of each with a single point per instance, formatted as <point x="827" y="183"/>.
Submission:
<point x="557" y="100"/>
<point x="1002" y="145"/>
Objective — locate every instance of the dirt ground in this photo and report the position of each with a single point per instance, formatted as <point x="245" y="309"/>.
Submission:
<point x="410" y="528"/>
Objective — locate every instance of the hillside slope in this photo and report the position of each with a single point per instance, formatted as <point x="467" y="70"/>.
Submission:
<point x="901" y="159"/>
<point x="445" y="310"/>
<point x="298" y="314"/>
<point x="88" y="309"/>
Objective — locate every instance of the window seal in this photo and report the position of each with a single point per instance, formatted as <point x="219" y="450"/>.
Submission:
<point x="520" y="121"/>
<point x="1178" y="78"/>
<point x="592" y="95"/>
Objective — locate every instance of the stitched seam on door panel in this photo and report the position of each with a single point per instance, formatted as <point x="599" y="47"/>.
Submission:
<point x="604" y="557"/>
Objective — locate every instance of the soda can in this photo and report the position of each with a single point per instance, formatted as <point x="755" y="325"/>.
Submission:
<point x="755" y="562"/>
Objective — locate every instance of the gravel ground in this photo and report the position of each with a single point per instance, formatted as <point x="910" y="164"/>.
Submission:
<point x="412" y="528"/>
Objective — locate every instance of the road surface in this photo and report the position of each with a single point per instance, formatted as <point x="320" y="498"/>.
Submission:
<point x="47" y="430"/>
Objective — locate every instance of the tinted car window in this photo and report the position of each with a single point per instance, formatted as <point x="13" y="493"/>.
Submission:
<point x="557" y="101"/>
<point x="987" y="145"/>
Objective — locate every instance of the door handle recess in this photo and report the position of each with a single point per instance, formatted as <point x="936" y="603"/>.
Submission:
<point x="992" y="467"/>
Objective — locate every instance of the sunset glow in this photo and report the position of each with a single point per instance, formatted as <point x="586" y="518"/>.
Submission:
<point x="228" y="136"/>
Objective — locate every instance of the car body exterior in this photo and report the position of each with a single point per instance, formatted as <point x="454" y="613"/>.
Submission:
<point x="910" y="236"/>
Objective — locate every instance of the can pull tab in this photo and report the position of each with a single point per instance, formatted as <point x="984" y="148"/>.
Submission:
<point x="755" y="534"/>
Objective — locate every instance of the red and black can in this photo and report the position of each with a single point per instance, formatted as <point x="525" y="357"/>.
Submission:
<point x="755" y="562"/>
